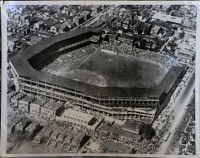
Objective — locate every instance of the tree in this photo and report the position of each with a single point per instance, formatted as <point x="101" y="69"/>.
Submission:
<point x="141" y="128"/>
<point x="149" y="132"/>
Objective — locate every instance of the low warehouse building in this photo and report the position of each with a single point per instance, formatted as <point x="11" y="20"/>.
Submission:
<point x="81" y="119"/>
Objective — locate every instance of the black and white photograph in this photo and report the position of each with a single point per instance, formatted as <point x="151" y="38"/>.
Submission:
<point x="100" y="78"/>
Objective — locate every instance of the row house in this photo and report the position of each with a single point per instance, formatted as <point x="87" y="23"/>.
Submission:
<point x="96" y="9"/>
<point x="55" y="28"/>
<point x="157" y="30"/>
<point x="70" y="24"/>
<point x="10" y="95"/>
<point x="78" y="20"/>
<point x="66" y="11"/>
<point x="17" y="17"/>
<point x="50" y="26"/>
<point x="116" y="13"/>
<point x="39" y="137"/>
<point x="35" y="107"/>
<point x="22" y="125"/>
<point x="32" y="129"/>
<point x="16" y="98"/>
<point x="73" y="12"/>
<point x="133" y="25"/>
<point x="46" y="17"/>
<point x="49" y="131"/>
<point x="55" y="134"/>
<point x="125" y="24"/>
<point x="38" y="25"/>
<point x="11" y="126"/>
<point x="189" y="21"/>
<point x="85" y="14"/>
<point x="11" y="42"/>
<point x="111" y="13"/>
<point x="110" y="20"/>
<point x="76" y="142"/>
<point x="24" y="31"/>
<point x="39" y="15"/>
<point x="63" y="28"/>
<point x="23" y="104"/>
<point x="68" y="140"/>
<point x="63" y="135"/>
<point x="12" y="29"/>
<point x="118" y="23"/>
<point x="23" y="18"/>
<point x="103" y="7"/>
<point x="121" y="14"/>
<point x="51" y="109"/>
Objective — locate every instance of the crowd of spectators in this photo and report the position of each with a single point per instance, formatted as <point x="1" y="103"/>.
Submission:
<point x="122" y="48"/>
<point x="69" y="57"/>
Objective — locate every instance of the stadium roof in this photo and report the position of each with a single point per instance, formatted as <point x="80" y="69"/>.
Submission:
<point x="23" y="68"/>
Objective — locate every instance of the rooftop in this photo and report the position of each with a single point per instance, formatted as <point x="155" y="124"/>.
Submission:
<point x="78" y="115"/>
<point x="39" y="102"/>
<point x="19" y="95"/>
<point x="51" y="105"/>
<point x="11" y="93"/>
<point x="85" y="13"/>
<point x="169" y="18"/>
<point x="58" y="130"/>
<point x="28" y="99"/>
<point x="23" y="122"/>
<point x="33" y="126"/>
<point x="78" y="138"/>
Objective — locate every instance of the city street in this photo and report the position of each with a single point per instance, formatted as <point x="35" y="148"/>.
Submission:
<point x="179" y="109"/>
<point x="92" y="20"/>
<point x="177" y="137"/>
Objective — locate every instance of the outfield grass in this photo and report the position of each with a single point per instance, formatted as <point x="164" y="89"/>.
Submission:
<point x="108" y="70"/>
<point x="123" y="71"/>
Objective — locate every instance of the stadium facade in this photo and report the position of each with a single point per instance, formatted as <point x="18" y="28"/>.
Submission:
<point x="116" y="102"/>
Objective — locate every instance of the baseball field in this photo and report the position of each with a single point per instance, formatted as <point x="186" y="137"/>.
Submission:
<point x="109" y="70"/>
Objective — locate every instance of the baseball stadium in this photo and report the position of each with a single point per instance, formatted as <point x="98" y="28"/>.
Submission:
<point x="73" y="67"/>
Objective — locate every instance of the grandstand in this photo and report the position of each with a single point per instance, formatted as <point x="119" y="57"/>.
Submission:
<point x="41" y="71"/>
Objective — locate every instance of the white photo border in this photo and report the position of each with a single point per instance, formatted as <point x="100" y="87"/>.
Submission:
<point x="4" y="72"/>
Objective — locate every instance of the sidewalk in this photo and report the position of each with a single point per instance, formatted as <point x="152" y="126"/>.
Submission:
<point x="179" y="111"/>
